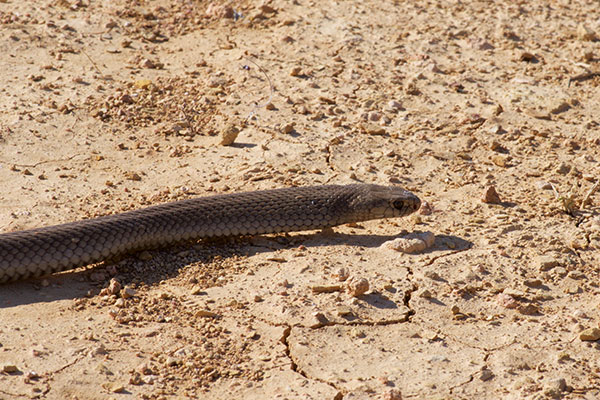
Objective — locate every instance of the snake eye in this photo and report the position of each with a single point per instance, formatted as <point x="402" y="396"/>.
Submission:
<point x="399" y="204"/>
<point x="405" y="205"/>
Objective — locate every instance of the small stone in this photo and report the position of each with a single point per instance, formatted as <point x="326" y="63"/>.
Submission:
<point x="144" y="256"/>
<point x="10" y="368"/>
<point x="217" y="10"/>
<point x="127" y="292"/>
<point x="133" y="176"/>
<point x="374" y="116"/>
<point x="114" y="286"/>
<point x="98" y="351"/>
<point x="533" y="283"/>
<point x="586" y="34"/>
<point x="528" y="309"/>
<point x="342" y="274"/>
<point x="485" y="375"/>
<point x="318" y="320"/>
<point x="296" y="71"/>
<point x="288" y="128"/>
<point x="545" y="263"/>
<point x="555" y="387"/>
<point x="501" y="160"/>
<point x="543" y="185"/>
<point x="32" y="375"/>
<point x="588" y="56"/>
<point x="563" y="168"/>
<point x="491" y="196"/>
<point x="270" y="106"/>
<point x="394" y="105"/>
<point x="528" y="57"/>
<point x="372" y="129"/>
<point x="326" y="288"/>
<point x="344" y="311"/>
<point x="142" y="83"/>
<point x="206" y="314"/>
<point x="173" y="361"/>
<point x="358" y="286"/>
<point x="507" y="301"/>
<point x="147" y="63"/>
<point x="145" y="369"/>
<point x="229" y="134"/>
<point x="113" y="387"/>
<point x="392" y="394"/>
<point x="424" y="293"/>
<point x="426" y="208"/>
<point x="120" y="303"/>
<point x="591" y="334"/>
<point x="357" y="333"/>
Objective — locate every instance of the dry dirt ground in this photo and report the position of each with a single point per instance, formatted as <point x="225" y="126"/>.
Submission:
<point x="113" y="105"/>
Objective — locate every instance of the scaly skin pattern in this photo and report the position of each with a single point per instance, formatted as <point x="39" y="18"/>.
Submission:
<point x="42" y="251"/>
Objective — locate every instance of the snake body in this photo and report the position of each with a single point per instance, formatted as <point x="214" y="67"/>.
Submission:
<point x="42" y="251"/>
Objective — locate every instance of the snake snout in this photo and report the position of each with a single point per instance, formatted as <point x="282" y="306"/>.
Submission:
<point x="407" y="205"/>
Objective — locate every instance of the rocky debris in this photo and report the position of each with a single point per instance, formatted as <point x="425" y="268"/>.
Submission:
<point x="415" y="242"/>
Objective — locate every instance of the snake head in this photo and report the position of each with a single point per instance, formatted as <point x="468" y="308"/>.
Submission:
<point x="387" y="201"/>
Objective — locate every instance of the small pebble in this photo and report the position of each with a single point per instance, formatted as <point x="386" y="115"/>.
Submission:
<point x="113" y="387"/>
<point x="545" y="263"/>
<point x="206" y="314"/>
<point x="343" y="311"/>
<point x="296" y="71"/>
<point x="507" y="301"/>
<point x="591" y="334"/>
<point x="543" y="185"/>
<point x="555" y="387"/>
<point x="490" y="196"/>
<point x="342" y="274"/>
<point x="229" y="134"/>
<point x="318" y="320"/>
<point x="10" y="368"/>
<point x="326" y="288"/>
<point x="585" y="34"/>
<point x="288" y="128"/>
<point x="114" y="286"/>
<point x="357" y="286"/>
<point x="127" y="292"/>
<point x="533" y="283"/>
<point x="485" y="375"/>
<point x="392" y="394"/>
<point x="372" y="129"/>
<point x="426" y="208"/>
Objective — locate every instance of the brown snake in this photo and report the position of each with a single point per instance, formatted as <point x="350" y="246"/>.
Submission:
<point x="41" y="251"/>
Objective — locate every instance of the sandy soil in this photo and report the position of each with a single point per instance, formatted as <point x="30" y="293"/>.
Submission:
<point x="114" y="105"/>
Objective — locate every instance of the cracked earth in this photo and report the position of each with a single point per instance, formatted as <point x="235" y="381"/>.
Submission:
<point x="111" y="106"/>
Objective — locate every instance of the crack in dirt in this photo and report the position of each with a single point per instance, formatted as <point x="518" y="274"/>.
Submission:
<point x="451" y="253"/>
<point x="408" y="295"/>
<point x="294" y="366"/>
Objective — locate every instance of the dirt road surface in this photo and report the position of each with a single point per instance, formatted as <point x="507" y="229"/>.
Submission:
<point x="488" y="111"/>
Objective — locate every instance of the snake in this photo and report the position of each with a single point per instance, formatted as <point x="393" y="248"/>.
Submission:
<point x="42" y="251"/>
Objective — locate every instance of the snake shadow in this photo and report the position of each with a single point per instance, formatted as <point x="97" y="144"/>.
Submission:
<point x="168" y="262"/>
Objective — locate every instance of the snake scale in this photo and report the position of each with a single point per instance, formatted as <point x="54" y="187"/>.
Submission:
<point x="42" y="251"/>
